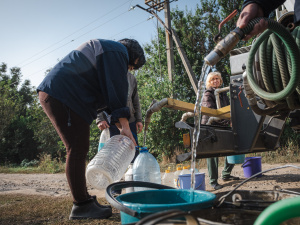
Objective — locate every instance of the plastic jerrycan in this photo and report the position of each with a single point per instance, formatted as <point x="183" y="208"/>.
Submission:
<point x="168" y="178"/>
<point x="146" y="168"/>
<point x="129" y="177"/>
<point x="176" y="174"/>
<point x="104" y="137"/>
<point x="111" y="162"/>
<point x="185" y="170"/>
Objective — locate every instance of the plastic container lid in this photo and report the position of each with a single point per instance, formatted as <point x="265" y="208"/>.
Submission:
<point x="144" y="149"/>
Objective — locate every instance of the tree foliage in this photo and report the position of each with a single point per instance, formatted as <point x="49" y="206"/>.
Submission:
<point x="26" y="132"/>
<point x="22" y="131"/>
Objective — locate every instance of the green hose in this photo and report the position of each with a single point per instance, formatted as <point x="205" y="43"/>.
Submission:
<point x="279" y="84"/>
<point x="279" y="212"/>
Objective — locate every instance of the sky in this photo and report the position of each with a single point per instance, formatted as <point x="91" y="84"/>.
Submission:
<point x="37" y="33"/>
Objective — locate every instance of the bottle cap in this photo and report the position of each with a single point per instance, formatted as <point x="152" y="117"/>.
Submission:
<point x="185" y="167"/>
<point x="144" y="149"/>
<point x="167" y="171"/>
<point x="178" y="168"/>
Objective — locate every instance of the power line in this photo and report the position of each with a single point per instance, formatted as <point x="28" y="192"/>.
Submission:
<point x="129" y="28"/>
<point x="73" y="33"/>
<point x="109" y="38"/>
<point x="74" y="39"/>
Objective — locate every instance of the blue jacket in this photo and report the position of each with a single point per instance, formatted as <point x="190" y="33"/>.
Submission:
<point x="92" y="77"/>
<point x="269" y="5"/>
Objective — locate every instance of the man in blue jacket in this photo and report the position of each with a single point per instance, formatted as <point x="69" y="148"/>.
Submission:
<point x="89" y="79"/>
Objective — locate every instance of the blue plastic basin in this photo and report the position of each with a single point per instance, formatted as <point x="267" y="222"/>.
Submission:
<point x="149" y="202"/>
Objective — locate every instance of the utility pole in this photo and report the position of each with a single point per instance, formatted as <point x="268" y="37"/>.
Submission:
<point x="158" y="5"/>
<point x="171" y="36"/>
<point x="169" y="41"/>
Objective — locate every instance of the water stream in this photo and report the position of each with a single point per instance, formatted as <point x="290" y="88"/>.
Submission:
<point x="197" y="122"/>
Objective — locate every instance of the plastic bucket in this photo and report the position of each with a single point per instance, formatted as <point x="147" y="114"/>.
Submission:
<point x="153" y="201"/>
<point x="185" y="181"/>
<point x="236" y="159"/>
<point x="251" y="166"/>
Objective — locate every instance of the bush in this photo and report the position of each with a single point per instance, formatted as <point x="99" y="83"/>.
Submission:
<point x="26" y="163"/>
<point x="49" y="165"/>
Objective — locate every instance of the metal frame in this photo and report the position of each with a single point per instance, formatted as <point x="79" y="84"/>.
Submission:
<point x="249" y="133"/>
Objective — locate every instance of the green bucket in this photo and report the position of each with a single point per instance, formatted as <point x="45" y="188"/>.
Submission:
<point x="149" y="202"/>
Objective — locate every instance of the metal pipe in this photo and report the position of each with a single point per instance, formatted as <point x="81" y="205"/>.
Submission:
<point x="212" y="119"/>
<point x="154" y="107"/>
<point x="187" y="115"/>
<point x="217" y="94"/>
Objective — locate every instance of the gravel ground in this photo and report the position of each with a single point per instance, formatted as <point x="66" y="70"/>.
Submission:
<point x="56" y="184"/>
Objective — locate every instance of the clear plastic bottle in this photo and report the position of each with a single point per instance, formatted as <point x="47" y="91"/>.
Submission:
<point x="146" y="168"/>
<point x="176" y="174"/>
<point x="111" y="162"/>
<point x="104" y="137"/>
<point x="129" y="177"/>
<point x="168" y="178"/>
<point x="185" y="170"/>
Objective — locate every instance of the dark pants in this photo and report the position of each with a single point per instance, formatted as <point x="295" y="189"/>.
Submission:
<point x="212" y="165"/>
<point x="75" y="139"/>
<point x="113" y="130"/>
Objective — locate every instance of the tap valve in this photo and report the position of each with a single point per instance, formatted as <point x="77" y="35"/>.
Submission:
<point x="224" y="47"/>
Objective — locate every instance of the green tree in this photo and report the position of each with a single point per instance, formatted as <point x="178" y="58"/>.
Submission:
<point x="23" y="122"/>
<point x="196" y="30"/>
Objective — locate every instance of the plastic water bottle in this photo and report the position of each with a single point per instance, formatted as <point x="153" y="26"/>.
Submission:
<point x="129" y="177"/>
<point x="168" y="178"/>
<point x="176" y="174"/>
<point x="104" y="137"/>
<point x="146" y="168"/>
<point x="185" y="170"/>
<point x="111" y="162"/>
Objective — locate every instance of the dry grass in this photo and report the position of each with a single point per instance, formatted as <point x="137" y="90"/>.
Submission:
<point x="27" y="209"/>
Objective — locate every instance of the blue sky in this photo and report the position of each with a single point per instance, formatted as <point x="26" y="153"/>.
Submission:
<point x="37" y="33"/>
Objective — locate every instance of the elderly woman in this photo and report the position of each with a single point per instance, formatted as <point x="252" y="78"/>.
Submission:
<point x="214" y="81"/>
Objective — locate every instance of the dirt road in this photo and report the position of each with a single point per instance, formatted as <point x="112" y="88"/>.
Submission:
<point x="56" y="184"/>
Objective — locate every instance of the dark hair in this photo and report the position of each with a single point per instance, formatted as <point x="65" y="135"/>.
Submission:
<point x="135" y="51"/>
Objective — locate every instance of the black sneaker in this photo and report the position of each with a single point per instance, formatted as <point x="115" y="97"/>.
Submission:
<point x="230" y="178"/>
<point x="89" y="210"/>
<point x="217" y="186"/>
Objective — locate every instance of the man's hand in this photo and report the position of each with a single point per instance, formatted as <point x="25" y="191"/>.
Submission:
<point x="125" y="129"/>
<point x="103" y="125"/>
<point x="250" y="12"/>
<point x="139" y="127"/>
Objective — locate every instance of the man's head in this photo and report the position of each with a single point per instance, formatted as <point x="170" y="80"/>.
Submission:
<point x="135" y="53"/>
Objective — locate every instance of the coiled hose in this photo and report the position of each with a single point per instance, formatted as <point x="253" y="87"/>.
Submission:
<point x="279" y="65"/>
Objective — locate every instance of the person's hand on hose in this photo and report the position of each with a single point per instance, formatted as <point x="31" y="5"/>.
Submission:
<point x="250" y="12"/>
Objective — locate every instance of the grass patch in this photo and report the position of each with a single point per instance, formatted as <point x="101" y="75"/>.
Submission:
<point x="32" y="209"/>
<point x="27" y="170"/>
<point x="45" y="165"/>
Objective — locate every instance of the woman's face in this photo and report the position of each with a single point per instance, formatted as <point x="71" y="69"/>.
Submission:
<point x="215" y="81"/>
